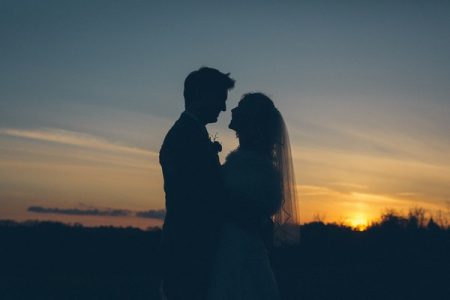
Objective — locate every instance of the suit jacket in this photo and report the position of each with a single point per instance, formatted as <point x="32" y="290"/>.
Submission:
<point x="194" y="201"/>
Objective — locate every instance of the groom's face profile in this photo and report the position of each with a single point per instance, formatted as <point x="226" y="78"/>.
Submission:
<point x="215" y="104"/>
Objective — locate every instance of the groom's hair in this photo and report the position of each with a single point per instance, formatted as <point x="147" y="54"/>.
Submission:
<point x="203" y="81"/>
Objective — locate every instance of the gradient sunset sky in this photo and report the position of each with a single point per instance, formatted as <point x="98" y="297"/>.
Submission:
<point x="88" y="90"/>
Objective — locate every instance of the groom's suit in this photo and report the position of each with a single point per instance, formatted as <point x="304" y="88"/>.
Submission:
<point x="194" y="208"/>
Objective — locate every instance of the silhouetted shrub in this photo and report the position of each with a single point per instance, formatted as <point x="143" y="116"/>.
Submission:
<point x="390" y="260"/>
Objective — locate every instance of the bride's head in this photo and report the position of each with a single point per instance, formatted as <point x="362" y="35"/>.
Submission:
<point x="257" y="123"/>
<point x="260" y="127"/>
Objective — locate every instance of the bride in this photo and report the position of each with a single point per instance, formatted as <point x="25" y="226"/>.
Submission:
<point x="260" y="184"/>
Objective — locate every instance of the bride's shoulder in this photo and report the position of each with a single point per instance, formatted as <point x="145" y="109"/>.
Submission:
<point x="253" y="177"/>
<point x="247" y="160"/>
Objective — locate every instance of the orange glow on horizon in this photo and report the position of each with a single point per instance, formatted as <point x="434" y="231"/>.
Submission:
<point x="65" y="169"/>
<point x="358" y="222"/>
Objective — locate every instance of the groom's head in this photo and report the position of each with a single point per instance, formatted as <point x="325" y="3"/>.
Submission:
<point x="205" y="93"/>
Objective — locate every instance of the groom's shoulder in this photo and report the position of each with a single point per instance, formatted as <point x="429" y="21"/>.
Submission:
<point x="180" y="132"/>
<point x="182" y="126"/>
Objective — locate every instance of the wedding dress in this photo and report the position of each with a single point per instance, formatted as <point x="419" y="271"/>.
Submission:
<point x="242" y="269"/>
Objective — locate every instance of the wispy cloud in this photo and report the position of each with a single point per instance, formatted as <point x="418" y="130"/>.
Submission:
<point x="73" y="138"/>
<point x="107" y="212"/>
<point x="152" y="214"/>
<point x="80" y="212"/>
<point x="313" y="190"/>
<point x="349" y="185"/>
<point x="408" y="194"/>
<point x="351" y="195"/>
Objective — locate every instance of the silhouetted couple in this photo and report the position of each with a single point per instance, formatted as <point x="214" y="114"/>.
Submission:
<point x="220" y="218"/>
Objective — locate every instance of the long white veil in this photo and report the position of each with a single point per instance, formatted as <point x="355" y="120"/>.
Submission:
<point x="287" y="219"/>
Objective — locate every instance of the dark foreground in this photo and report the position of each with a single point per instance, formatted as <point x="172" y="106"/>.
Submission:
<point x="389" y="261"/>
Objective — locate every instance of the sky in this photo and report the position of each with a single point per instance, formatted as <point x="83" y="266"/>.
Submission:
<point x="88" y="90"/>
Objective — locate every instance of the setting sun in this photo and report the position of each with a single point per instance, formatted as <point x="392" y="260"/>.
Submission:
<point x="358" y="222"/>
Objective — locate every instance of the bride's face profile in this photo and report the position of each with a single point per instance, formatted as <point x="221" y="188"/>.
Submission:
<point x="242" y="117"/>
<point x="236" y="118"/>
<point x="241" y="123"/>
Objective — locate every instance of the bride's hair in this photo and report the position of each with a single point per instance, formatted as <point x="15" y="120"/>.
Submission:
<point x="270" y="136"/>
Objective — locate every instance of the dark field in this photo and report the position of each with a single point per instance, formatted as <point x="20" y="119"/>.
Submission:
<point x="394" y="259"/>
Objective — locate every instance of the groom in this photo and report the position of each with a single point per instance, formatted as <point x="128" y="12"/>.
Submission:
<point x="194" y="194"/>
